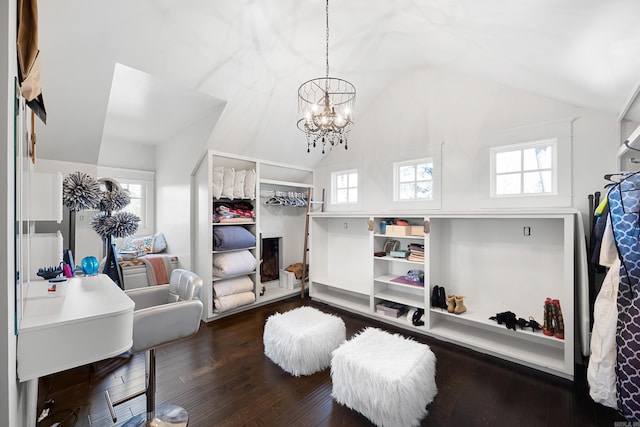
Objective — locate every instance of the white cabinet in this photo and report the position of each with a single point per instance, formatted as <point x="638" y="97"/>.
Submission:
<point x="45" y="196"/>
<point x="497" y="261"/>
<point x="284" y="222"/>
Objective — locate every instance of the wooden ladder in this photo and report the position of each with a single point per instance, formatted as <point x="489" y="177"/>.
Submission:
<point x="306" y="238"/>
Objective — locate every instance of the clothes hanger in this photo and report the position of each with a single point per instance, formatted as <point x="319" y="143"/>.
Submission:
<point x="626" y="143"/>
<point x="620" y="175"/>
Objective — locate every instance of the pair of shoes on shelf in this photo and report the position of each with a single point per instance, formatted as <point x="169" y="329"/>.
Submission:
<point x="438" y="297"/>
<point x="455" y="304"/>
<point x="553" y="320"/>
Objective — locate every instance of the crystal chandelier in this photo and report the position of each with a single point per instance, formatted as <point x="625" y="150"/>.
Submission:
<point x="326" y="107"/>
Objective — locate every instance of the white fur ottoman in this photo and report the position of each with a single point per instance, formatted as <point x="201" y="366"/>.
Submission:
<point x="300" y="341"/>
<point x="387" y="378"/>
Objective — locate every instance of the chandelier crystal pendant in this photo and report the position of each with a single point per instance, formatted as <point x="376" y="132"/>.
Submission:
<point x="326" y="107"/>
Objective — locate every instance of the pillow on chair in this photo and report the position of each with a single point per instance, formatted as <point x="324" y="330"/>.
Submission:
<point x="138" y="245"/>
<point x="153" y="244"/>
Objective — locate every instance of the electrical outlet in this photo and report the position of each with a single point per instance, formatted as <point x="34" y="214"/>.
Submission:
<point x="527" y="231"/>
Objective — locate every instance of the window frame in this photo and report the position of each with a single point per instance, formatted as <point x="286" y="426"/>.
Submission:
<point x="144" y="215"/>
<point x="147" y="180"/>
<point x="397" y="182"/>
<point x="521" y="147"/>
<point x="334" y="188"/>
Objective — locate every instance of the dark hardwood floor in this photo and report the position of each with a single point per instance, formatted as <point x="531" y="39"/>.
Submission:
<point x="222" y="378"/>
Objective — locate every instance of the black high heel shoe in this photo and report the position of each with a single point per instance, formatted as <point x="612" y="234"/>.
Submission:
<point x="522" y="323"/>
<point x="535" y="326"/>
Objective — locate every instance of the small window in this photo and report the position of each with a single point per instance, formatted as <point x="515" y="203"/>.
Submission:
<point x="141" y="204"/>
<point x="413" y="180"/>
<point x="140" y="185"/>
<point x="136" y="206"/>
<point x="524" y="169"/>
<point x="345" y="187"/>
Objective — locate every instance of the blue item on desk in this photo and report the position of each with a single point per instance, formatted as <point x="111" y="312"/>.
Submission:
<point x="90" y="265"/>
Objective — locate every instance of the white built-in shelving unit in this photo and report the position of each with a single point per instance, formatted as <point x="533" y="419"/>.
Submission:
<point x="286" y="223"/>
<point x="499" y="261"/>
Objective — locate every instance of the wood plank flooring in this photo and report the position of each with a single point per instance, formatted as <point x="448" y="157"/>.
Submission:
<point x="222" y="378"/>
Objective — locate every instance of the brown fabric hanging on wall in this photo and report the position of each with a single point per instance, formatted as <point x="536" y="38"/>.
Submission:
<point x="29" y="57"/>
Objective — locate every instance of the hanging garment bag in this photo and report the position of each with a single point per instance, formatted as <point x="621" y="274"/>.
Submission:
<point x="624" y="200"/>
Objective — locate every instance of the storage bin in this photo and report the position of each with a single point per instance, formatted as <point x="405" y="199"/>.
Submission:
<point x="391" y="309"/>
<point x="416" y="230"/>
<point x="398" y="230"/>
<point x="288" y="280"/>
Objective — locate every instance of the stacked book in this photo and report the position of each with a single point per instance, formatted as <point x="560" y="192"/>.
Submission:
<point x="416" y="252"/>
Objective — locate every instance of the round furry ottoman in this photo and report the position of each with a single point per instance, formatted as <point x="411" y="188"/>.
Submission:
<point x="387" y="378"/>
<point x="300" y="341"/>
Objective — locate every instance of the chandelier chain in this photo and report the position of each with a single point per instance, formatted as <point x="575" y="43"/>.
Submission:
<point x="327" y="41"/>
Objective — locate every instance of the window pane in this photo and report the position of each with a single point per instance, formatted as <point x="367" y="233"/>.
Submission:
<point x="508" y="184"/>
<point x="537" y="182"/>
<point x="424" y="190"/>
<point x="407" y="191"/>
<point x="407" y="173"/>
<point x="135" y="190"/>
<point x="537" y="158"/>
<point x="353" y="195"/>
<point x="508" y="161"/>
<point x="342" y="196"/>
<point x="135" y="207"/>
<point x="424" y="171"/>
<point x="353" y="180"/>
<point x="341" y="181"/>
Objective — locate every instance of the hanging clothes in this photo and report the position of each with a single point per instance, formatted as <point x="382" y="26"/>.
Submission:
<point x="602" y="221"/>
<point x="624" y="201"/>
<point x="601" y="374"/>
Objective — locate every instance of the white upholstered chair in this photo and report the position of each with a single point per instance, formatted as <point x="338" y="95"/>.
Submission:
<point x="163" y="314"/>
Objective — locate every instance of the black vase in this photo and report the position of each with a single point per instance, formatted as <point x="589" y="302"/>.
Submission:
<point x="111" y="266"/>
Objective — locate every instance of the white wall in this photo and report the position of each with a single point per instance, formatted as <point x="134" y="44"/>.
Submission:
<point x="176" y="160"/>
<point x="126" y="155"/>
<point x="427" y="107"/>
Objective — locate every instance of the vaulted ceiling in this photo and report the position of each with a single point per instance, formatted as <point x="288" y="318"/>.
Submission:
<point x="255" y="54"/>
